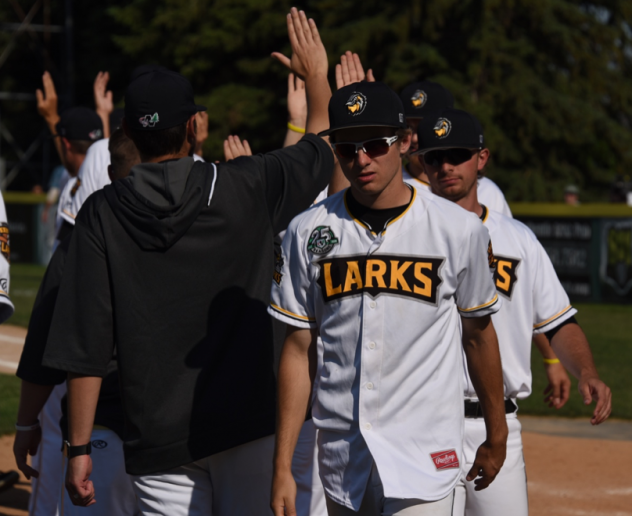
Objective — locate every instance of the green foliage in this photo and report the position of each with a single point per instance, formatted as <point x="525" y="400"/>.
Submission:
<point x="606" y="327"/>
<point x="25" y="282"/>
<point x="549" y="79"/>
<point x="9" y="400"/>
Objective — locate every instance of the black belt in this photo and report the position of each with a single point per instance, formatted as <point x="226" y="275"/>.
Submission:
<point x="473" y="408"/>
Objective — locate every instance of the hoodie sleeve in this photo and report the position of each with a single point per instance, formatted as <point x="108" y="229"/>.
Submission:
<point x="81" y="338"/>
<point x="6" y="306"/>
<point x="293" y="177"/>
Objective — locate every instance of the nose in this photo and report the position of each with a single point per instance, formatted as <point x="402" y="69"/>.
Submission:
<point x="362" y="159"/>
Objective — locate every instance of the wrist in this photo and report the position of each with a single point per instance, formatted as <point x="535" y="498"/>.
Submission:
<point x="296" y="128"/>
<point x="298" y="121"/>
<point x="73" y="451"/>
<point x="551" y="361"/>
<point x="27" y="426"/>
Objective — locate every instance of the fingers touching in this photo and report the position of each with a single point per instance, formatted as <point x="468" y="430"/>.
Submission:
<point x="235" y="148"/>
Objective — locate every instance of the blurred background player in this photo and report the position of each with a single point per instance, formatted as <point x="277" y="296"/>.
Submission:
<point x="534" y="301"/>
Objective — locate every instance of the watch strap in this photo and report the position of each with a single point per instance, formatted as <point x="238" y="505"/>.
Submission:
<point x="75" y="451"/>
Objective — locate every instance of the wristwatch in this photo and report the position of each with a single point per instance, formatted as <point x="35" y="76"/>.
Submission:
<point x="75" y="451"/>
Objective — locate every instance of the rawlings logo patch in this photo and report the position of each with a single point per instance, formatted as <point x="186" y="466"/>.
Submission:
<point x="99" y="444"/>
<point x="445" y="459"/>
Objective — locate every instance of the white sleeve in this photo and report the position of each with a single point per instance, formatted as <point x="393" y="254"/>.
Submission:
<point x="551" y="305"/>
<point x="197" y="157"/>
<point x="292" y="300"/>
<point x="476" y="293"/>
<point x="6" y="306"/>
<point x="491" y="196"/>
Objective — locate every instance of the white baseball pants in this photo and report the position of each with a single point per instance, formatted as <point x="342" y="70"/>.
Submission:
<point x="49" y="460"/>
<point x="374" y="503"/>
<point x="507" y="494"/>
<point x="231" y="483"/>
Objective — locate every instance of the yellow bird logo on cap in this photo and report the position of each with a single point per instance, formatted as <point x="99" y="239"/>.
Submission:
<point x="356" y="103"/>
<point x="419" y="99"/>
<point x="442" y="128"/>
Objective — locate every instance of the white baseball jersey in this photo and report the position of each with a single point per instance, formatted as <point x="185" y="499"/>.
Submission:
<point x="6" y="306"/>
<point x="491" y="196"/>
<point x="413" y="181"/>
<point x="534" y="301"/>
<point x="387" y="308"/>
<point x="92" y="176"/>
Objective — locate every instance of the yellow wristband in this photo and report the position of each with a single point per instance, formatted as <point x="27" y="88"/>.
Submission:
<point x="551" y="360"/>
<point x="295" y="128"/>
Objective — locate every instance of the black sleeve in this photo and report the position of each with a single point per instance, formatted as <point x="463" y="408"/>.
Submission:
<point x="81" y="338"/>
<point x="551" y="333"/>
<point x="293" y="177"/>
<point x="30" y="367"/>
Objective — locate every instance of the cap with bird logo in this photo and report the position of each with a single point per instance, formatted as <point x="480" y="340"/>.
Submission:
<point x="424" y="98"/>
<point x="365" y="104"/>
<point x="450" y="129"/>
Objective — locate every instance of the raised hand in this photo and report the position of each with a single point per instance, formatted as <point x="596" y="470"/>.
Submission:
<point x="47" y="100"/>
<point x="201" y="122"/>
<point x="235" y="148"/>
<point x="296" y="101"/>
<point x="102" y="96"/>
<point x="350" y="70"/>
<point x="309" y="57"/>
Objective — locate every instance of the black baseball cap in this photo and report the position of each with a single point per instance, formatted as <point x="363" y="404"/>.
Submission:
<point x="365" y="104"/>
<point x="450" y="129"/>
<point x="424" y="98"/>
<point x="80" y="123"/>
<point x="159" y="99"/>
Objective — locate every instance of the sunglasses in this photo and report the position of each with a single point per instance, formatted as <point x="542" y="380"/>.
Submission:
<point x="372" y="148"/>
<point x="452" y="156"/>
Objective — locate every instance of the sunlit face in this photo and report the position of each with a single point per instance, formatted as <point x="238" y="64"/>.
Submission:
<point x="454" y="180"/>
<point x="367" y="175"/>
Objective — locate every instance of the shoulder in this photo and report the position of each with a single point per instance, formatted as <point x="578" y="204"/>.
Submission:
<point x="94" y="206"/>
<point x="448" y="211"/>
<point x="485" y="183"/>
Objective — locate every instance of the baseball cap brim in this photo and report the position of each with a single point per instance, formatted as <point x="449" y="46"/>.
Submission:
<point x="355" y="126"/>
<point x="443" y="147"/>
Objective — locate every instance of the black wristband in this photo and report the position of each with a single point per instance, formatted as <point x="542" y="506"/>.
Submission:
<point x="75" y="451"/>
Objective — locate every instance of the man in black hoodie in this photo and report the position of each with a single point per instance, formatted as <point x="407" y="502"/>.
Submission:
<point x="174" y="266"/>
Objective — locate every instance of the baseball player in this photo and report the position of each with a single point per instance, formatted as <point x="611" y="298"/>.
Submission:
<point x="174" y="264"/>
<point x="423" y="99"/>
<point x="453" y="150"/>
<point x="355" y="269"/>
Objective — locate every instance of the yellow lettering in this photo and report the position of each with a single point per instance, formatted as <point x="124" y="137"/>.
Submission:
<point x="377" y="274"/>
<point x="501" y="269"/>
<point x="426" y="290"/>
<point x="331" y="291"/>
<point x="397" y="275"/>
<point x="353" y="276"/>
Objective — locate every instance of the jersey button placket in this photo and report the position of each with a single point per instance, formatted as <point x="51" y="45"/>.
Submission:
<point x="371" y="359"/>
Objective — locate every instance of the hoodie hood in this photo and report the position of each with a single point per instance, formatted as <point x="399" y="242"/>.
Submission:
<point x="159" y="202"/>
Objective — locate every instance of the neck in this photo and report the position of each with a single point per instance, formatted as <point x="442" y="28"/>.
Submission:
<point x="165" y="157"/>
<point x="470" y="202"/>
<point x="395" y="194"/>
<point x="416" y="170"/>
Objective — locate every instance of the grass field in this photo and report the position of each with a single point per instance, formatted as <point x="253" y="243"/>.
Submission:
<point x="607" y="327"/>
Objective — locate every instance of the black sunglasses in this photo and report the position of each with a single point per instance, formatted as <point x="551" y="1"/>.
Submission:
<point x="452" y="156"/>
<point x="373" y="148"/>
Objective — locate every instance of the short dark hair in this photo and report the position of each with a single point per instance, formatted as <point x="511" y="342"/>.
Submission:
<point x="80" y="146"/>
<point x="123" y="154"/>
<point x="153" y="144"/>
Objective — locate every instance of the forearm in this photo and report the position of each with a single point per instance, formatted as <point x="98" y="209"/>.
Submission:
<point x="544" y="346"/>
<point x="51" y="122"/>
<point x="292" y="137"/>
<point x="33" y="397"/>
<point x="105" y="119"/>
<point x="83" y="394"/>
<point x="572" y="348"/>
<point x="295" y="388"/>
<point x="483" y="361"/>
<point x="318" y="94"/>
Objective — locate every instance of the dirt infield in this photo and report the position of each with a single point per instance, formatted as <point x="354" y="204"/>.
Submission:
<point x="568" y="476"/>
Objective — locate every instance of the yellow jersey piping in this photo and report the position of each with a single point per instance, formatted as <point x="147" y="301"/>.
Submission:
<point x="291" y="314"/>
<point x="551" y="319"/>
<point x="480" y="306"/>
<point x="390" y="221"/>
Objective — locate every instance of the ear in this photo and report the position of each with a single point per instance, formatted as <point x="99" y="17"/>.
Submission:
<point x="483" y="158"/>
<point x="110" y="175"/>
<point x="65" y="143"/>
<point x="404" y="143"/>
<point x="191" y="127"/>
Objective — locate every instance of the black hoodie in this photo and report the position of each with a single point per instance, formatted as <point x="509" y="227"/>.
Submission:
<point x="174" y="265"/>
